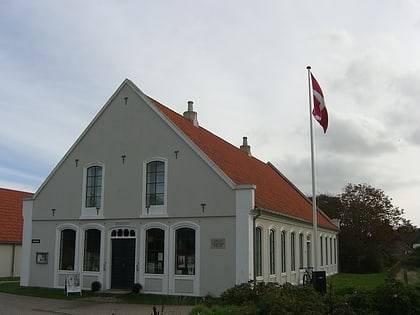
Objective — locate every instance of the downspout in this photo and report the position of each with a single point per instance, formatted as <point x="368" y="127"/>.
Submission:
<point x="254" y="219"/>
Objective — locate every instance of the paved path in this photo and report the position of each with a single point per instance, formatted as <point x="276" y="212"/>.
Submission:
<point x="24" y="305"/>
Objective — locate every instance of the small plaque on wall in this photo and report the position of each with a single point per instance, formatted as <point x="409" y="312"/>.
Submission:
<point x="42" y="258"/>
<point x="218" y="243"/>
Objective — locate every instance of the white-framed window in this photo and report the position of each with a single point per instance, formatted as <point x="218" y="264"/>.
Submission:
<point x="308" y="251"/>
<point x="335" y="251"/>
<point x="272" y="251"/>
<point x="93" y="190"/>
<point x="155" y="251"/>
<point x="185" y="251"/>
<point x="283" y="250"/>
<point x="301" y="250"/>
<point x="321" y="250"/>
<point x="92" y="250"/>
<point x="292" y="252"/>
<point x="155" y="187"/>
<point x="326" y="250"/>
<point x="258" y="252"/>
<point x="67" y="247"/>
<point x="331" y="249"/>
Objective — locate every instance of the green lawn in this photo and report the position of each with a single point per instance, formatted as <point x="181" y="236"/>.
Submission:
<point x="358" y="281"/>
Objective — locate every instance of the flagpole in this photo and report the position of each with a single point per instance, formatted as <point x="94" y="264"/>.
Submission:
<point x="314" y="212"/>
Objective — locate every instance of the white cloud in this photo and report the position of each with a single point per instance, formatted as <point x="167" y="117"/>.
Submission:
<point x="242" y="62"/>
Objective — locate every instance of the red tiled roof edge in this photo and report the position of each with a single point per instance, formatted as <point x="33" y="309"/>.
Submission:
<point x="11" y="219"/>
<point x="274" y="191"/>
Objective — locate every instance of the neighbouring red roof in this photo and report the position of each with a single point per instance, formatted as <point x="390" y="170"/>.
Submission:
<point x="273" y="191"/>
<point x="11" y="219"/>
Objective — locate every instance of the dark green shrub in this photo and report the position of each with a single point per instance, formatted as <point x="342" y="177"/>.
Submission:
<point x="95" y="286"/>
<point x="238" y="295"/>
<point x="396" y="298"/>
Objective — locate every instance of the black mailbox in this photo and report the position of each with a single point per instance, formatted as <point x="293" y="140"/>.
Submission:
<point x="319" y="279"/>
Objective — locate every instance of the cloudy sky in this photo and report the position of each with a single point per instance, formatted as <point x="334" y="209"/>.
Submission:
<point x="242" y="62"/>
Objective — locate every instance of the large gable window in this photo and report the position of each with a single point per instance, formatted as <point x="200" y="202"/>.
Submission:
<point x="93" y="187"/>
<point x="155" y="183"/>
<point x="67" y="249"/>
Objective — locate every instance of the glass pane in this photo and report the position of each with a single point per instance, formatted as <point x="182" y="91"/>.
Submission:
<point x="159" y="199"/>
<point x="151" y="167"/>
<point x="91" y="260"/>
<point x="67" y="249"/>
<point x="159" y="188"/>
<point x="160" y="178"/>
<point x="155" y="244"/>
<point x="160" y="166"/>
<point x="185" y="251"/>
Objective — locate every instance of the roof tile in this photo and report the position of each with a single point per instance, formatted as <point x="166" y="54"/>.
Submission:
<point x="273" y="191"/>
<point x="11" y="220"/>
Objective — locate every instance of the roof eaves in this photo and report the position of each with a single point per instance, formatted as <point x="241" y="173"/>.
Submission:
<point x="300" y="193"/>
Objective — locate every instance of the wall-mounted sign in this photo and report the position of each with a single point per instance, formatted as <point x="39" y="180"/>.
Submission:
<point x="42" y="258"/>
<point x="36" y="241"/>
<point x="218" y="243"/>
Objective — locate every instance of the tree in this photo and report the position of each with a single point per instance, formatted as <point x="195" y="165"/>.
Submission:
<point x="368" y="222"/>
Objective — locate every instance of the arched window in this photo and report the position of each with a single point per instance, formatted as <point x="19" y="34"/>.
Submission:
<point x="92" y="250"/>
<point x="301" y="250"/>
<point x="292" y="252"/>
<point x="155" y="183"/>
<point x="67" y="249"/>
<point x="155" y="245"/>
<point x="308" y="251"/>
<point x="283" y="251"/>
<point x="272" y="251"/>
<point x="185" y="251"/>
<point x="93" y="187"/>
<point x="258" y="252"/>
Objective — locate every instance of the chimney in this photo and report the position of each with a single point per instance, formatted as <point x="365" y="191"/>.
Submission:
<point x="190" y="114"/>
<point x="245" y="147"/>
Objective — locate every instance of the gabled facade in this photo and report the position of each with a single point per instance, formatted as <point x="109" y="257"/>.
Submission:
<point x="146" y="195"/>
<point x="11" y="225"/>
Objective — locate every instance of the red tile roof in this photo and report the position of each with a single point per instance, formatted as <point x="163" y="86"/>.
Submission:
<point x="273" y="191"/>
<point x="11" y="220"/>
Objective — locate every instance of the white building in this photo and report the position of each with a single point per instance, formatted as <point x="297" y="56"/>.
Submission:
<point x="146" y="195"/>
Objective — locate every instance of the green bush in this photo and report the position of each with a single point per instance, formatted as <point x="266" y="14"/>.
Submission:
<point x="392" y="297"/>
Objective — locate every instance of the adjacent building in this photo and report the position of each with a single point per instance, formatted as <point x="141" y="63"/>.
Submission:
<point x="146" y="195"/>
<point x="11" y="225"/>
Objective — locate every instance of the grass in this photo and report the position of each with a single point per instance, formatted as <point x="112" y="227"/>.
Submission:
<point x="358" y="281"/>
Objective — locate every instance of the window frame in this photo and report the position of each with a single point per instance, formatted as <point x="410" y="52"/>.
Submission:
<point x="182" y="262"/>
<point x="258" y="251"/>
<point x="58" y="258"/>
<point x="272" y="243"/>
<point x="283" y="251"/>
<point x="163" y="259"/>
<point x="293" y="251"/>
<point x="98" y="252"/>
<point x="87" y="211"/>
<point x="160" y="209"/>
